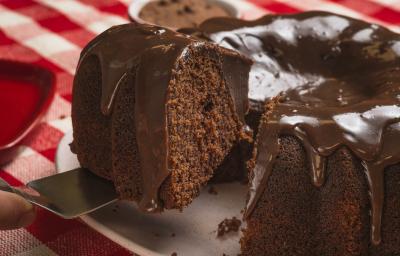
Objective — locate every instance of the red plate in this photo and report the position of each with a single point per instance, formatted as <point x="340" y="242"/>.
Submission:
<point x="26" y="92"/>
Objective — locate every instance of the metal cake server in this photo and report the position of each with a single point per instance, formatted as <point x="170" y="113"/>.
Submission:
<point x="68" y="194"/>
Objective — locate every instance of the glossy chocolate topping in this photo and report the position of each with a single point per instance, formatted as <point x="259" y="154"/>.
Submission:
<point x="339" y="85"/>
<point x="125" y="51"/>
<point x="149" y="54"/>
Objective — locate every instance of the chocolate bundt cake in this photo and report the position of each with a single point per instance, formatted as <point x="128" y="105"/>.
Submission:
<point x="325" y="173"/>
<point x="157" y="112"/>
<point x="160" y="114"/>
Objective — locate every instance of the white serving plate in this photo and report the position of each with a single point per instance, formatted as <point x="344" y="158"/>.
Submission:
<point x="151" y="234"/>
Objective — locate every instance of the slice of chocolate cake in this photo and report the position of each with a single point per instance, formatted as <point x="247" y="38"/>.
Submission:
<point x="157" y="112"/>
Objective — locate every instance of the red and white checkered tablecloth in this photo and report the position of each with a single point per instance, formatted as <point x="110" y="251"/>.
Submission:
<point x="51" y="33"/>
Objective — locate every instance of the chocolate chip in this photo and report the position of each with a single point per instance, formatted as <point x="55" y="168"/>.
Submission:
<point x="208" y="105"/>
<point x="188" y="9"/>
<point x="162" y="3"/>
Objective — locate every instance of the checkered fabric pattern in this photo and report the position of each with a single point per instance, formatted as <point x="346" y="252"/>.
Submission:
<point x="51" y="33"/>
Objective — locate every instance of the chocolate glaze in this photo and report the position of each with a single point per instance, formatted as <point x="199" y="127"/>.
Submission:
<point x="149" y="54"/>
<point x="338" y="80"/>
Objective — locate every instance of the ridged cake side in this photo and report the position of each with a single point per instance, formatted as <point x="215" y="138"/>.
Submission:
<point x="293" y="217"/>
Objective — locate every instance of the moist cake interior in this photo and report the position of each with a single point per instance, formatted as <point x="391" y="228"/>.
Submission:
<point x="202" y="126"/>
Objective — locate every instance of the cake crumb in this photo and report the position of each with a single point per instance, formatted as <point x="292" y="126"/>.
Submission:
<point x="228" y="225"/>
<point x="174" y="254"/>
<point x="212" y="190"/>
<point x="115" y="208"/>
<point x="173" y="235"/>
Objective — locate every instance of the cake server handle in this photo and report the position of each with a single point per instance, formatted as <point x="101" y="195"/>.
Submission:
<point x="25" y="192"/>
<point x="68" y="194"/>
<point x="4" y="186"/>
